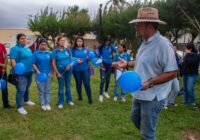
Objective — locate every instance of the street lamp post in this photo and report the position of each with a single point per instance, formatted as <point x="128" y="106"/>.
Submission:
<point x="100" y="22"/>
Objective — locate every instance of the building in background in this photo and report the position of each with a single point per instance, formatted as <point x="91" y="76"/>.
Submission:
<point x="8" y="37"/>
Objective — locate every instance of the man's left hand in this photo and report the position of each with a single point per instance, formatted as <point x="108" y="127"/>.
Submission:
<point x="147" y="84"/>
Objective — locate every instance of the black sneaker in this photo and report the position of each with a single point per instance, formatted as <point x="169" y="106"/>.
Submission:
<point x="8" y="107"/>
<point x="173" y="104"/>
<point x="90" y="102"/>
<point x="80" y="99"/>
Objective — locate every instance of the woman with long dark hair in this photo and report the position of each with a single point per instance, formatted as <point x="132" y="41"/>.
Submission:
<point x="189" y="71"/>
<point x="81" y="70"/>
<point x="106" y="50"/>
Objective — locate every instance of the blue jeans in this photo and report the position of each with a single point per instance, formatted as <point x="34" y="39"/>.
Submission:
<point x="24" y="82"/>
<point x="116" y="89"/>
<point x="174" y="92"/>
<point x="44" y="90"/>
<point x="64" y="82"/>
<point x="188" y="85"/>
<point x="144" y="115"/>
<point x="105" y="77"/>
<point x="84" y="76"/>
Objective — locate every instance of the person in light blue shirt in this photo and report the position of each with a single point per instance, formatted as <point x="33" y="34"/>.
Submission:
<point x="121" y="54"/>
<point x="81" y="71"/>
<point x="21" y="54"/>
<point x="106" y="50"/>
<point x="42" y="64"/>
<point x="60" y="61"/>
<point x="156" y="64"/>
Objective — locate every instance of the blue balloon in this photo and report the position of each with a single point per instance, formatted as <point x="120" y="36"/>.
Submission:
<point x="19" y="68"/>
<point x="94" y="62"/>
<point x="130" y="81"/>
<point x="2" y="84"/>
<point x="42" y="77"/>
<point x="91" y="55"/>
<point x="75" y="60"/>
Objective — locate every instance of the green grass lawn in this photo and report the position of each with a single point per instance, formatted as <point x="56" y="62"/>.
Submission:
<point x="101" y="121"/>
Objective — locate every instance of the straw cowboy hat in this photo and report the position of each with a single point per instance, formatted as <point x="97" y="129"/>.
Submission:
<point x="147" y="14"/>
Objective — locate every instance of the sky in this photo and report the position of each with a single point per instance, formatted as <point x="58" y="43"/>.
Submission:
<point x="15" y="13"/>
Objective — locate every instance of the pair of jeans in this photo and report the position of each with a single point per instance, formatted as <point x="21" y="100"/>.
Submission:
<point x="117" y="87"/>
<point x="174" y="92"/>
<point x="83" y="76"/>
<point x="189" y="91"/>
<point x="105" y="77"/>
<point x="24" y="82"/>
<point x="64" y="81"/>
<point x="144" y="115"/>
<point x="44" y="91"/>
<point x="5" y="91"/>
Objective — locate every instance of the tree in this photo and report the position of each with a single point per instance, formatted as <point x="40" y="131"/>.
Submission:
<point x="190" y="10"/>
<point x="75" y="22"/>
<point x="115" y="5"/>
<point x="70" y="22"/>
<point x="46" y="23"/>
<point x="169" y="13"/>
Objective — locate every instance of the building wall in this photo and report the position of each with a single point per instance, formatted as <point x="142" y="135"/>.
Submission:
<point x="91" y="42"/>
<point x="6" y="35"/>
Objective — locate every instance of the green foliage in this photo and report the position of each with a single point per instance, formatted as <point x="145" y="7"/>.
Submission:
<point x="46" y="23"/>
<point x="75" y="22"/>
<point x="172" y="15"/>
<point x="191" y="9"/>
<point x="51" y="23"/>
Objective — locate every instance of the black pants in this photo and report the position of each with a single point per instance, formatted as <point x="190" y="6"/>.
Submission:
<point x="5" y="91"/>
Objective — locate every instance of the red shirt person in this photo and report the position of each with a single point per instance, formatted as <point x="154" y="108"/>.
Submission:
<point x="3" y="74"/>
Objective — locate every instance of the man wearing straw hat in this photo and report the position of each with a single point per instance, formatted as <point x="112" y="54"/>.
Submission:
<point x="156" y="64"/>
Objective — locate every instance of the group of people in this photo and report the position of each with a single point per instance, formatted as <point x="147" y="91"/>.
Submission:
<point x="58" y="62"/>
<point x="188" y="69"/>
<point x="155" y="62"/>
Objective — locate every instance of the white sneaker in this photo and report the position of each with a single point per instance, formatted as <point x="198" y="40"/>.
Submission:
<point x="101" y="98"/>
<point x="30" y="103"/>
<point x="115" y="99"/>
<point x="106" y="95"/>
<point x="22" y="111"/>
<point x="60" y="106"/>
<point x="48" y="107"/>
<point x="165" y="107"/>
<point x="43" y="108"/>
<point x="71" y="103"/>
<point x="123" y="99"/>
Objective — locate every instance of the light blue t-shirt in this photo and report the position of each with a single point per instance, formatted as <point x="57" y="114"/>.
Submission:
<point x="155" y="56"/>
<point x="62" y="58"/>
<point x="22" y="54"/>
<point x="106" y="53"/>
<point x="125" y="56"/>
<point x="81" y="53"/>
<point x="42" y="60"/>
